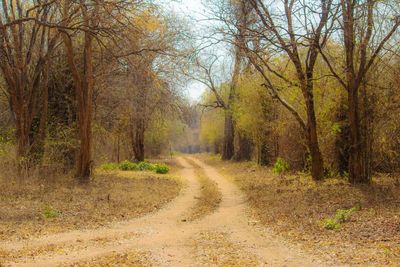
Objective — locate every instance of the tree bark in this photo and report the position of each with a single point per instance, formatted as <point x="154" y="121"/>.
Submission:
<point x="358" y="159"/>
<point x="317" y="163"/>
<point x="138" y="139"/>
<point x="263" y="157"/>
<point x="243" y="148"/>
<point x="228" y="146"/>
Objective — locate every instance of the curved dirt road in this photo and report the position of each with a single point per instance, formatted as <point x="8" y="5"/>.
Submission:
<point x="225" y="237"/>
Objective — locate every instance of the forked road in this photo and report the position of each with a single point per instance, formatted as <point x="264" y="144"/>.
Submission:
<point x="165" y="236"/>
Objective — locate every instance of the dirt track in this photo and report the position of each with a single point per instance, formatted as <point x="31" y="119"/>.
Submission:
<point x="225" y="237"/>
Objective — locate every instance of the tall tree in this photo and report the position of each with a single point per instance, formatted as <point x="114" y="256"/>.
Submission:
<point x="363" y="44"/>
<point x="83" y="81"/>
<point x="298" y="31"/>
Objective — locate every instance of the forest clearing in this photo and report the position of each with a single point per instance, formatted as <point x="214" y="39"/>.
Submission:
<point x="199" y="133"/>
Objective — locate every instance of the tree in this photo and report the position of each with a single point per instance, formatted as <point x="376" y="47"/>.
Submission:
<point x="363" y="44"/>
<point x="26" y="44"/>
<point x="83" y="81"/>
<point x="298" y="32"/>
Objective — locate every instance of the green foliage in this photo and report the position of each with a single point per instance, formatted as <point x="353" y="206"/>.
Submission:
<point x="336" y="128"/>
<point x="109" y="166"/>
<point x="49" y="212"/>
<point x="331" y="224"/>
<point x="161" y="168"/>
<point x="145" y="166"/>
<point x="281" y="166"/>
<point x="127" y="165"/>
<point x="341" y="216"/>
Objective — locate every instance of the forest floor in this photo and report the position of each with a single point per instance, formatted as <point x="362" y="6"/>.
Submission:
<point x="208" y="224"/>
<point x="294" y="207"/>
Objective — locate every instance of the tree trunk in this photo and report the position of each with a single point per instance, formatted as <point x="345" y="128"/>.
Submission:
<point x="138" y="139"/>
<point x="342" y="140"/>
<point x="358" y="158"/>
<point x="228" y="146"/>
<point x="317" y="163"/>
<point x="243" y="148"/>
<point x="263" y="154"/>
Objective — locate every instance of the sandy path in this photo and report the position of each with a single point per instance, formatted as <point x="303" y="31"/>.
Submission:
<point x="165" y="235"/>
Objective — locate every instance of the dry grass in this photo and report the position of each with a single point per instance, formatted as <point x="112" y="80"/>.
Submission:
<point x="39" y="206"/>
<point x="215" y="249"/>
<point x="295" y="205"/>
<point x="131" y="259"/>
<point x="209" y="199"/>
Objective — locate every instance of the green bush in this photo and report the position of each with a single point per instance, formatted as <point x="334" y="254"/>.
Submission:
<point x="49" y="212"/>
<point x="127" y="165"/>
<point x="161" y="168"/>
<point x="109" y="166"/>
<point x="280" y="166"/>
<point x="145" y="166"/>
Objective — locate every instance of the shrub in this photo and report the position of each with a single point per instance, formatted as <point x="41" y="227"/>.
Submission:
<point x="49" y="212"/>
<point x="109" y="166"/>
<point x="145" y="166"/>
<point x="161" y="168"/>
<point x="127" y="165"/>
<point x="280" y="166"/>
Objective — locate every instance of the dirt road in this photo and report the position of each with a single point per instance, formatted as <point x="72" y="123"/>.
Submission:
<point x="227" y="237"/>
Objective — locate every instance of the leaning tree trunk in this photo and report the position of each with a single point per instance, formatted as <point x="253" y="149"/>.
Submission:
<point x="228" y="145"/>
<point x="358" y="158"/>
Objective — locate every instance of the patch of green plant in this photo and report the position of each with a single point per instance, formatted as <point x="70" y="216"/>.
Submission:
<point x="161" y="168"/>
<point x="341" y="216"/>
<point x="127" y="165"/>
<point x="331" y="224"/>
<point x="109" y="166"/>
<point x="336" y="128"/>
<point x="49" y="212"/>
<point x="145" y="166"/>
<point x="344" y="215"/>
<point x="280" y="166"/>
